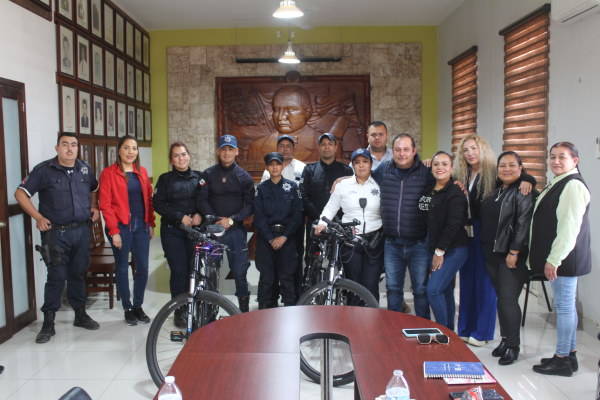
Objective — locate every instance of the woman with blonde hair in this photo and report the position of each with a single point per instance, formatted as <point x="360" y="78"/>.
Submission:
<point x="475" y="167"/>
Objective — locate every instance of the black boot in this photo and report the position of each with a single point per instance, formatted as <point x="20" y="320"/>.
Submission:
<point x="47" y="328"/>
<point x="509" y="356"/>
<point x="572" y="358"/>
<point x="556" y="366"/>
<point x="500" y="350"/>
<point x="83" y="320"/>
<point x="180" y="317"/>
<point x="244" y="303"/>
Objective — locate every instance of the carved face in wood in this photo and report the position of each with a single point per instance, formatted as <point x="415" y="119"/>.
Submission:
<point x="291" y="109"/>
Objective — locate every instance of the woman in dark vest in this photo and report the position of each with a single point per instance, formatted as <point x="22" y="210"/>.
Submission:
<point x="560" y="248"/>
<point x="505" y="221"/>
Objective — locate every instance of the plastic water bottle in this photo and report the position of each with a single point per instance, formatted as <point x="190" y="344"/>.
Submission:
<point x="170" y="391"/>
<point x="397" y="388"/>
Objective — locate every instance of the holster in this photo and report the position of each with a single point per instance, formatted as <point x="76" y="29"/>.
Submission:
<point x="51" y="254"/>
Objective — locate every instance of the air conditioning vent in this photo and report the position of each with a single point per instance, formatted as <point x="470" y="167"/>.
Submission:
<point x="568" y="12"/>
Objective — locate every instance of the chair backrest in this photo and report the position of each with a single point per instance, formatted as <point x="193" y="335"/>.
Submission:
<point x="97" y="234"/>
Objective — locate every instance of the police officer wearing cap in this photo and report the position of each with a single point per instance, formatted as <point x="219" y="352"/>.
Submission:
<point x="227" y="191"/>
<point x="277" y="215"/>
<point x="316" y="182"/>
<point x="358" y="198"/>
<point x="67" y="205"/>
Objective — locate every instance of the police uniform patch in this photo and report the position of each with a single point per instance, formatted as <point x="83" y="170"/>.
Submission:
<point x="25" y="180"/>
<point x="84" y="170"/>
<point x="202" y="182"/>
<point x="155" y="190"/>
<point x="286" y="186"/>
<point x="227" y="139"/>
<point x="375" y="192"/>
<point x="297" y="175"/>
<point x="360" y="151"/>
<point x="299" y="194"/>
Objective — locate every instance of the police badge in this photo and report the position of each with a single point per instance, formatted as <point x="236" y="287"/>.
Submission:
<point x="286" y="186"/>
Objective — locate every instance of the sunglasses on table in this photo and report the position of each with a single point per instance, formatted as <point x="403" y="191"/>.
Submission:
<point x="427" y="339"/>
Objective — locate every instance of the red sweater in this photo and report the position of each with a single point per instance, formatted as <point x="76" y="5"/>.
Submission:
<point x="113" y="199"/>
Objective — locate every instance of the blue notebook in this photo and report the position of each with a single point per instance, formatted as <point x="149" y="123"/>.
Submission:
<point x="451" y="369"/>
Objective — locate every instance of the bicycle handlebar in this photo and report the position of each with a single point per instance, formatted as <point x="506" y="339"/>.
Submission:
<point x="339" y="228"/>
<point x="194" y="234"/>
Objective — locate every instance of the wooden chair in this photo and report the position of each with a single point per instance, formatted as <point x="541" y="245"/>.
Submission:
<point x="100" y="276"/>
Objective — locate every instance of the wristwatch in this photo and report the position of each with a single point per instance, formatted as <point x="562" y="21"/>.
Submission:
<point x="230" y="221"/>
<point x="439" y="253"/>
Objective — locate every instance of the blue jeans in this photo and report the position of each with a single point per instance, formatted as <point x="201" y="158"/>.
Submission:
<point x="440" y="288"/>
<point x="136" y="237"/>
<point x="565" y="290"/>
<point x="396" y="259"/>
<point x="237" y="240"/>
<point x="179" y="252"/>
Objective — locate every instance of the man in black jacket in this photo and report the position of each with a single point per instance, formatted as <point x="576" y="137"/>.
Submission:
<point x="227" y="191"/>
<point x="317" y="180"/>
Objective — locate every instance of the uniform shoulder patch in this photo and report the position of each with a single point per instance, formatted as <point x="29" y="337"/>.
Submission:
<point x="299" y="194"/>
<point x="202" y="182"/>
<point x="155" y="190"/>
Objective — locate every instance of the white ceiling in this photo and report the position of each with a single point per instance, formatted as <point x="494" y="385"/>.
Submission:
<point x="198" y="14"/>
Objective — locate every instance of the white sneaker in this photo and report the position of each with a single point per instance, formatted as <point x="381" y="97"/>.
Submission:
<point x="464" y="339"/>
<point x="475" y="342"/>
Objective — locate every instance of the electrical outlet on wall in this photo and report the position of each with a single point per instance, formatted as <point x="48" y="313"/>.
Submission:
<point x="293" y="34"/>
<point x="278" y="34"/>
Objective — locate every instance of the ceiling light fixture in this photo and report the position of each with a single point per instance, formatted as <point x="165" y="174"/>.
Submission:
<point x="289" y="57"/>
<point x="288" y="9"/>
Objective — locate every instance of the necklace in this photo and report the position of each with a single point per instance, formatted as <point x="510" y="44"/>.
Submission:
<point x="501" y="192"/>
<point x="224" y="178"/>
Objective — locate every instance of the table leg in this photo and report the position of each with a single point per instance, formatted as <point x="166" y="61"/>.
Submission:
<point x="326" y="370"/>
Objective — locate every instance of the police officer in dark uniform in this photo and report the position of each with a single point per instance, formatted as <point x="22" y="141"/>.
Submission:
<point x="277" y="216"/>
<point x="317" y="180"/>
<point x="227" y="191"/>
<point x="68" y="202"/>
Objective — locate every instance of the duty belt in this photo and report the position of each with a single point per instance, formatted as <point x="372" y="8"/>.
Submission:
<point x="277" y="228"/>
<point x="71" y="225"/>
<point x="370" y="235"/>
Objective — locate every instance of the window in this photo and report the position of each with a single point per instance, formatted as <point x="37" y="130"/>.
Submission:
<point x="526" y="50"/>
<point x="464" y="95"/>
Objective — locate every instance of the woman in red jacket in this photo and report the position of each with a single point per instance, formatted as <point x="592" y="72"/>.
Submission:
<point x="126" y="203"/>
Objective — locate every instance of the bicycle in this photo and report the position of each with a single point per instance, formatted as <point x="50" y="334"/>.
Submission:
<point x="331" y="288"/>
<point x="188" y="312"/>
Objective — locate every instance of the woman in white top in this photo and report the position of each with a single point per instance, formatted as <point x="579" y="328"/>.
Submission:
<point x="361" y="264"/>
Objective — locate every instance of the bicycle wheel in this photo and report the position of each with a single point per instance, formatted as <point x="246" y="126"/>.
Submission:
<point x="164" y="344"/>
<point x="345" y="293"/>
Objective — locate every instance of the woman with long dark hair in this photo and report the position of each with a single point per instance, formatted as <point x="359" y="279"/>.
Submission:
<point x="126" y="203"/>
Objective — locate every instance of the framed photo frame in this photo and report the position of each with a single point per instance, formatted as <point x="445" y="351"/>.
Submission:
<point x="109" y="70"/>
<point x="97" y="65"/>
<point x="148" y="125"/>
<point x="81" y="14"/>
<point x="100" y="151"/>
<point x="130" y="81"/>
<point x="111" y="118"/>
<point x="96" y="17"/>
<point x="119" y="32"/>
<point x="138" y="45"/>
<point x="139" y="86"/>
<point x="85" y="154"/>
<point x="112" y="154"/>
<point x="139" y="124"/>
<point x="146" y="88"/>
<point x="85" y="105"/>
<point x="146" y="51"/>
<point x="83" y="58"/>
<point x="129" y="39"/>
<point x="45" y="4"/>
<point x="64" y="9"/>
<point x="131" y="120"/>
<point x="68" y="107"/>
<point x="98" y="115"/>
<point x="121" y="119"/>
<point x="109" y="23"/>
<point x="66" y="51"/>
<point x="121" y="76"/>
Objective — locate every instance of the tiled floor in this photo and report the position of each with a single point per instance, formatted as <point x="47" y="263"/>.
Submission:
<point x="110" y="363"/>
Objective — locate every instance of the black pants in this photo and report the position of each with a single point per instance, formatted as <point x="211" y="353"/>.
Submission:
<point x="508" y="283"/>
<point x="309" y="241"/>
<point x="364" y="265"/>
<point x="76" y="260"/>
<point x="179" y="252"/>
<point x="299" y="269"/>
<point x="284" y="261"/>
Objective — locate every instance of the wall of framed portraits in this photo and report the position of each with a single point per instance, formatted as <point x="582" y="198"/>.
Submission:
<point x="103" y="75"/>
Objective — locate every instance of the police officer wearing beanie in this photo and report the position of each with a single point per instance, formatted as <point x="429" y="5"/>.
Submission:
<point x="277" y="216"/>
<point x="67" y="205"/>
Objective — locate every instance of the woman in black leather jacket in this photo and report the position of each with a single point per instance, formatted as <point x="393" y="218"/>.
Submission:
<point x="506" y="217"/>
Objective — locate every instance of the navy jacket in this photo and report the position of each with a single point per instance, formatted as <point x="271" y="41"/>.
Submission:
<point x="279" y="203"/>
<point x="175" y="195"/>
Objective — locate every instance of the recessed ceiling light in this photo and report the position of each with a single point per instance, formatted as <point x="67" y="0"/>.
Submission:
<point x="288" y="9"/>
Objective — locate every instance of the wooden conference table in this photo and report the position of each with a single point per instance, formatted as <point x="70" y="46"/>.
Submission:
<point x="255" y="356"/>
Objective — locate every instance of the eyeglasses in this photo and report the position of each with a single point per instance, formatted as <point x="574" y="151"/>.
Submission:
<point x="426" y="339"/>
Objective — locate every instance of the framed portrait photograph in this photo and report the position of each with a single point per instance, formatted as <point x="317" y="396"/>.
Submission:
<point x="109" y="70"/>
<point x="148" y="124"/>
<point x="112" y="154"/>
<point x="96" y="13"/>
<point x="131" y="120"/>
<point x="146" y="88"/>
<point x="120" y="76"/>
<point x="85" y="103"/>
<point x="146" y="51"/>
<point x="130" y="81"/>
<point x="66" y="51"/>
<point x="121" y="119"/>
<point x="65" y="9"/>
<point x="139" y="89"/>
<point x="138" y="46"/>
<point x="119" y="32"/>
<point x="109" y="20"/>
<point x="97" y="65"/>
<point x="68" y="101"/>
<point x="111" y="118"/>
<point x="85" y="154"/>
<point x="140" y="124"/>
<point x="100" y="159"/>
<point x="81" y="14"/>
<point x="83" y="59"/>
<point x="98" y="116"/>
<point x="129" y="38"/>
